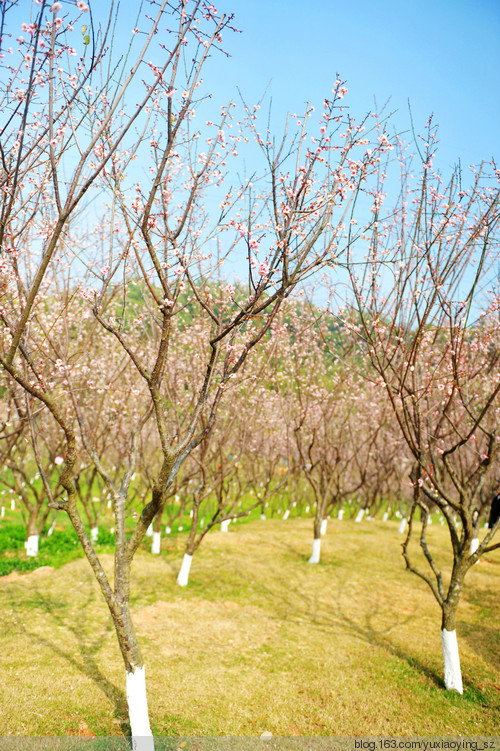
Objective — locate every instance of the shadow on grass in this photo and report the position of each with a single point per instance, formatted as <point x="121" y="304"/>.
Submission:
<point x="483" y="640"/>
<point x="89" y="645"/>
<point x="301" y="601"/>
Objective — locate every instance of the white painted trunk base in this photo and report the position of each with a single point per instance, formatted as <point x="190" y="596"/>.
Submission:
<point x="263" y="517"/>
<point x="183" y="577"/>
<point x="224" y="525"/>
<point x="94" y="534"/>
<point x="307" y="509"/>
<point x="149" y="531"/>
<point x="359" y="515"/>
<point x="315" y="551"/>
<point x="402" y="526"/>
<point x="156" y="544"/>
<point x="452" y="673"/>
<point x="51" y="528"/>
<point x="340" y="514"/>
<point x="474" y="544"/>
<point x="168" y="530"/>
<point x="323" y="527"/>
<point x="12" y="505"/>
<point x="286" y="514"/>
<point x="138" y="710"/>
<point x="2" y="512"/>
<point x="31" y="545"/>
<point x="385" y="516"/>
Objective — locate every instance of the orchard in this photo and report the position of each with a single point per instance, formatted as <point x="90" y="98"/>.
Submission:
<point x="189" y="348"/>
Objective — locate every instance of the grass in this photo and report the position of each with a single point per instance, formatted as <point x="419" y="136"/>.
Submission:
<point x="259" y="641"/>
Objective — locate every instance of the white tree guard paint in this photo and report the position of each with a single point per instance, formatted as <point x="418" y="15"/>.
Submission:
<point x="452" y="673"/>
<point x="138" y="710"/>
<point x="474" y="544"/>
<point x="385" y="516"/>
<point x="168" y="530"/>
<point x="183" y="577"/>
<point x="286" y="514"/>
<point x="51" y="528"/>
<point x="402" y="526"/>
<point x="307" y="509"/>
<point x="2" y="512"/>
<point x="156" y="544"/>
<point x="12" y="505"/>
<point x="94" y="534"/>
<point x="359" y="515"/>
<point x="109" y="504"/>
<point x="340" y="515"/>
<point x="323" y="527"/>
<point x="263" y="517"/>
<point x="32" y="545"/>
<point x="316" y="551"/>
<point x="149" y="531"/>
<point x="224" y="525"/>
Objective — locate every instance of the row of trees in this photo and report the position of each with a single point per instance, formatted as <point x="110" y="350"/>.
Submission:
<point x="148" y="331"/>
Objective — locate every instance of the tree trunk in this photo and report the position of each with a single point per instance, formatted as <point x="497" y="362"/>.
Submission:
<point x="156" y="544"/>
<point x="359" y="515"/>
<point x="452" y="672"/>
<point x="32" y="545"/>
<point x="183" y="577"/>
<point x="32" y="534"/>
<point x="474" y="544"/>
<point x="135" y="679"/>
<point x="323" y="526"/>
<point x="316" y="550"/>
<point x="138" y="709"/>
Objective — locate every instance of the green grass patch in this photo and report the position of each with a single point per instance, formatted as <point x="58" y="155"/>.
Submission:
<point x="61" y="547"/>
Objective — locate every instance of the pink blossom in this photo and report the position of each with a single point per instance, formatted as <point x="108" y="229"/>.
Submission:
<point x="58" y="460"/>
<point x="264" y="268"/>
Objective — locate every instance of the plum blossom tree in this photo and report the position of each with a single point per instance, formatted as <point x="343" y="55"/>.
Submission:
<point x="418" y="303"/>
<point x="108" y="188"/>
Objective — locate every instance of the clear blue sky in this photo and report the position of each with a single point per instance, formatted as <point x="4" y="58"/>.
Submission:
<point x="442" y="55"/>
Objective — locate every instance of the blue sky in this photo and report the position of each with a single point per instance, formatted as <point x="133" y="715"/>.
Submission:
<point x="442" y="55"/>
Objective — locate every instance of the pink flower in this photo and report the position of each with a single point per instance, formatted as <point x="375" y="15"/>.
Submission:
<point x="264" y="268"/>
<point x="56" y="8"/>
<point x="82" y="6"/>
<point x="58" y="460"/>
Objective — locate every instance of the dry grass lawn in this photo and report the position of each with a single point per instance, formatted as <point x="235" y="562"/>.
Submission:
<point x="260" y="640"/>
